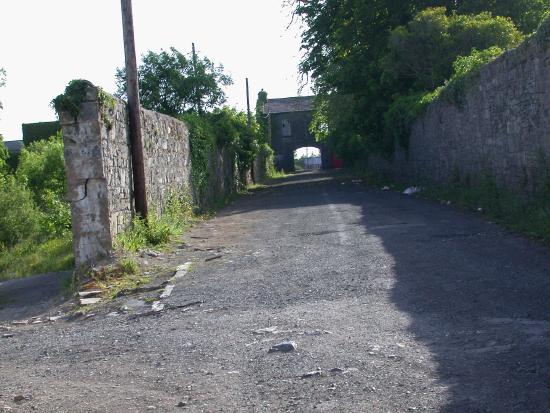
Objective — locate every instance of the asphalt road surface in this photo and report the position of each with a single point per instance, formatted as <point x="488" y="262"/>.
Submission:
<point x="395" y="304"/>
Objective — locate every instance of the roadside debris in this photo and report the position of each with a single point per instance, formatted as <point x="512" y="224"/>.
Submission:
<point x="316" y="332"/>
<point x="181" y="271"/>
<point x="385" y="188"/>
<point x="215" y="257"/>
<point x="157" y="306"/>
<point x="89" y="293"/>
<point x="89" y="301"/>
<point x="412" y="190"/>
<point x="7" y="335"/>
<point x="150" y="253"/>
<point x="310" y="374"/>
<point x="20" y="322"/>
<point x="165" y="307"/>
<point x="267" y="330"/>
<point x="284" y="347"/>
<point x="167" y="291"/>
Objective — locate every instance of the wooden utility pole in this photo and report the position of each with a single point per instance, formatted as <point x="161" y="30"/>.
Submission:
<point x="247" y="105"/>
<point x="134" y="115"/>
<point x="197" y="97"/>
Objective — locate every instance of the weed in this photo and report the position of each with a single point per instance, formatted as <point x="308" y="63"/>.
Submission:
<point x="159" y="228"/>
<point x="123" y="275"/>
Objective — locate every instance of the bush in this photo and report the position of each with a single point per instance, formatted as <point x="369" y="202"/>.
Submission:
<point x="20" y="218"/>
<point x="421" y="54"/>
<point x="466" y="70"/>
<point x="42" y="169"/>
<point x="203" y="142"/>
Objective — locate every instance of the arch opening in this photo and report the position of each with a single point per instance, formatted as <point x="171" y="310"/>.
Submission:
<point x="307" y="158"/>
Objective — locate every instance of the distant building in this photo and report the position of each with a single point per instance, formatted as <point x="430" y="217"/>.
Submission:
<point x="14" y="150"/>
<point x="14" y="147"/>
<point x="289" y="120"/>
<point x="39" y="131"/>
<point x="314" y="162"/>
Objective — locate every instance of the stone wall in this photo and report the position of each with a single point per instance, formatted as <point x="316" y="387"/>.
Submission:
<point x="99" y="172"/>
<point x="502" y="130"/>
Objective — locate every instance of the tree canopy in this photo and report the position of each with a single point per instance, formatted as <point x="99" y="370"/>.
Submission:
<point x="173" y="83"/>
<point x="364" y="56"/>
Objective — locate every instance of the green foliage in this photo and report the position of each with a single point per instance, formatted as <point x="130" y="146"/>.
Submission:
<point x="72" y="99"/>
<point x="20" y="218"/>
<point x="42" y="169"/>
<point x="401" y="115"/>
<point x="172" y="83"/>
<point x="261" y="118"/>
<point x="529" y="217"/>
<point x="223" y="127"/>
<point x="34" y="218"/>
<point x="366" y="57"/>
<point x="121" y="277"/>
<point x="202" y="141"/>
<point x="159" y="227"/>
<point x="30" y="257"/>
<point x="526" y="14"/>
<point x="420" y="54"/>
<point x="128" y="266"/>
<point x="465" y="71"/>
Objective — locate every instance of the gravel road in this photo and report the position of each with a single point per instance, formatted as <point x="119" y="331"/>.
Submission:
<point x="395" y="304"/>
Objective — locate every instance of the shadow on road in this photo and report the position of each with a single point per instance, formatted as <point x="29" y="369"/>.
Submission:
<point x="29" y="297"/>
<point x="477" y="296"/>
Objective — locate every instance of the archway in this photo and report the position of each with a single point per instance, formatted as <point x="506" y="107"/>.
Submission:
<point x="307" y="158"/>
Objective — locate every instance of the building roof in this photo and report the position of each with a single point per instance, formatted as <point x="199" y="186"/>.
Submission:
<point x="14" y="146"/>
<point x="293" y="104"/>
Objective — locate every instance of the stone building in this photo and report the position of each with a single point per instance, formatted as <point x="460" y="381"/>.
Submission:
<point x="289" y="120"/>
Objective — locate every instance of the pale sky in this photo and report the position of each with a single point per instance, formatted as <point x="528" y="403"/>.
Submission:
<point x="45" y="44"/>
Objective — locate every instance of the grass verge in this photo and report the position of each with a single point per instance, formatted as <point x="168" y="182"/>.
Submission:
<point x="121" y="276"/>
<point x="28" y="258"/>
<point x="529" y="216"/>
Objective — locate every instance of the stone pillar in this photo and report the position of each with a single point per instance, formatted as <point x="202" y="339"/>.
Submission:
<point x="86" y="183"/>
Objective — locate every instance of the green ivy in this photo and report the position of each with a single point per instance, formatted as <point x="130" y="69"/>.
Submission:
<point x="75" y="94"/>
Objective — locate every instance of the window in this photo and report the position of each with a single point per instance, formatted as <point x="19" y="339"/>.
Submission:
<point x="286" y="128"/>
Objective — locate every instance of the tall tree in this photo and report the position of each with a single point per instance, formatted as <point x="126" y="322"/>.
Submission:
<point x="261" y="119"/>
<point x="350" y="45"/>
<point x="172" y="83"/>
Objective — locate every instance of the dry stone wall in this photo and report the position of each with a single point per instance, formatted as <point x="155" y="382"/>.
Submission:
<point x="503" y="129"/>
<point x="99" y="170"/>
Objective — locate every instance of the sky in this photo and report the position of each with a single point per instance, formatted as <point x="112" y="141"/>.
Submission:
<point x="45" y="44"/>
